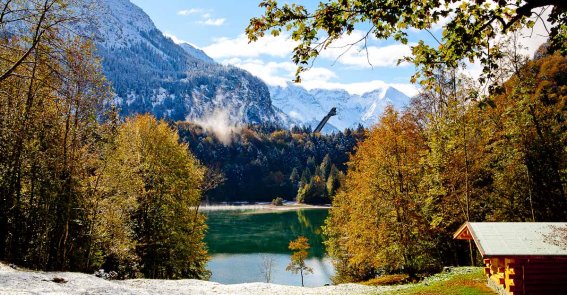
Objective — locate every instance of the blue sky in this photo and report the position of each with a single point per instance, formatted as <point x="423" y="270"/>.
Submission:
<point x="218" y="26"/>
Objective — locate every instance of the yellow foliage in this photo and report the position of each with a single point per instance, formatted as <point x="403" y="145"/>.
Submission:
<point x="153" y="180"/>
<point x="375" y="220"/>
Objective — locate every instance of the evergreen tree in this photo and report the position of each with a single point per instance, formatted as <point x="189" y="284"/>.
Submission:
<point x="333" y="181"/>
<point x="305" y="177"/>
<point x="315" y="192"/>
<point x="294" y="176"/>
<point x="326" y="167"/>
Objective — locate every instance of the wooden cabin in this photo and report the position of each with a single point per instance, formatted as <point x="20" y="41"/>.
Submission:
<point x="521" y="257"/>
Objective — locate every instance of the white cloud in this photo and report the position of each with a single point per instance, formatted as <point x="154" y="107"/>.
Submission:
<point x="251" y="57"/>
<point x="212" y="21"/>
<point x="174" y="38"/>
<point x="282" y="73"/>
<point x="350" y="51"/>
<point x="280" y="46"/>
<point x="191" y="11"/>
<point x="273" y="73"/>
<point x="205" y="15"/>
<point x="317" y="74"/>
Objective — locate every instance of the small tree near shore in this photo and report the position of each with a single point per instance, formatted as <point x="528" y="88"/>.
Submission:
<point x="299" y="246"/>
<point x="267" y="267"/>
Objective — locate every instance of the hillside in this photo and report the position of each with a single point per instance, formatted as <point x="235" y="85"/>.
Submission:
<point x="260" y="163"/>
<point x="152" y="74"/>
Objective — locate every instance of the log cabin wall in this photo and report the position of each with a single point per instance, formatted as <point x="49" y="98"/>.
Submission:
<point x="528" y="275"/>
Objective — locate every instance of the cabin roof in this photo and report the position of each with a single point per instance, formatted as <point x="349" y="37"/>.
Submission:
<point x="516" y="238"/>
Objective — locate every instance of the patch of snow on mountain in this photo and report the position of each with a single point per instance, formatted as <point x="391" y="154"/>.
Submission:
<point x="196" y="53"/>
<point x="115" y="23"/>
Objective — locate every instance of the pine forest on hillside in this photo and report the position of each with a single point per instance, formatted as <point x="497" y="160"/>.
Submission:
<point x="265" y="162"/>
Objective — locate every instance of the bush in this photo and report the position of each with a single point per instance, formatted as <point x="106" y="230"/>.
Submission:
<point x="384" y="280"/>
<point x="277" y="201"/>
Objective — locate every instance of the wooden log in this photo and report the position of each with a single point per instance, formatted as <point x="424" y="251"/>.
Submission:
<point x="498" y="278"/>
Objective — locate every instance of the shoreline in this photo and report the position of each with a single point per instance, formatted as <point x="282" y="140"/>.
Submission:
<point x="288" y="206"/>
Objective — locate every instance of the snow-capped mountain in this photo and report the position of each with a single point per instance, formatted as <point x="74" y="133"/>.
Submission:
<point x="308" y="107"/>
<point x="150" y="73"/>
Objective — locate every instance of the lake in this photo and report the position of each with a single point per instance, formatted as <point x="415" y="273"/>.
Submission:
<point x="240" y="240"/>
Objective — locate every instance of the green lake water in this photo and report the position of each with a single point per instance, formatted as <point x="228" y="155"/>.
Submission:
<point x="239" y="240"/>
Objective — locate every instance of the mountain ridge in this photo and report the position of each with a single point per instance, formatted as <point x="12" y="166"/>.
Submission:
<point x="152" y="74"/>
<point x="310" y="106"/>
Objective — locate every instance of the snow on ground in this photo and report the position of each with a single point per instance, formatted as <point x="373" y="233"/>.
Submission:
<point x="35" y="282"/>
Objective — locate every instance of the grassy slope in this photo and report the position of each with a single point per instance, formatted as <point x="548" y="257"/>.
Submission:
<point x="465" y="281"/>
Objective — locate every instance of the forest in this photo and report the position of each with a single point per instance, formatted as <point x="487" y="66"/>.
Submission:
<point x="489" y="147"/>
<point x="264" y="162"/>
<point x="82" y="189"/>
<point x="425" y="170"/>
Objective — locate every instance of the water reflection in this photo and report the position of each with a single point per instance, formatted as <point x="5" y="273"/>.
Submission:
<point x="237" y="241"/>
<point x="247" y="268"/>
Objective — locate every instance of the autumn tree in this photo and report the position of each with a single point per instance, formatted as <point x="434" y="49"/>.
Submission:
<point x="528" y="142"/>
<point x="300" y="248"/>
<point x="455" y="182"/>
<point x="52" y="95"/>
<point x="468" y="32"/>
<point x="444" y="161"/>
<point x="157" y="182"/>
<point x="377" y="220"/>
<point x="27" y="27"/>
<point x="81" y="97"/>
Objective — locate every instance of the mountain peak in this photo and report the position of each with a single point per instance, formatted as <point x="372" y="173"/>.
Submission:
<point x="309" y="107"/>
